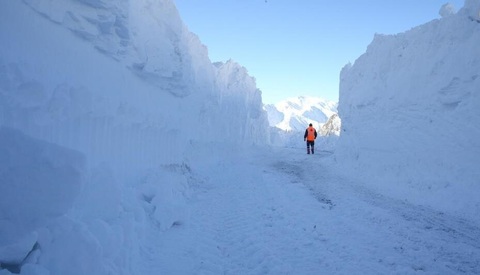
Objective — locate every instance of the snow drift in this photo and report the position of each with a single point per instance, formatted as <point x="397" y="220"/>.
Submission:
<point x="130" y="92"/>
<point x="410" y="116"/>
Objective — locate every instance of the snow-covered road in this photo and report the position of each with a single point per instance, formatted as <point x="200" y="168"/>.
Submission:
<point x="280" y="211"/>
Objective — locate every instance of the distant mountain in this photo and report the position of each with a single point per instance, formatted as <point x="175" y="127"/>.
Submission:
<point x="331" y="127"/>
<point x="294" y="114"/>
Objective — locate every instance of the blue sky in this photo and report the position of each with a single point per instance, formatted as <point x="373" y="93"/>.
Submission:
<point x="296" y="48"/>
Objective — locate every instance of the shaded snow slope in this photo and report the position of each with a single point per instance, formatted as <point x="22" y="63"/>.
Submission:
<point x="239" y="95"/>
<point x="128" y="87"/>
<point x="39" y="181"/>
<point x="79" y="83"/>
<point x="410" y="113"/>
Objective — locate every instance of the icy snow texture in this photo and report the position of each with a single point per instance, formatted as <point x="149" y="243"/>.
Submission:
<point x="410" y="114"/>
<point x="126" y="85"/>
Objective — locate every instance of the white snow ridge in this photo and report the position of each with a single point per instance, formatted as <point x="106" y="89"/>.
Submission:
<point x="125" y="150"/>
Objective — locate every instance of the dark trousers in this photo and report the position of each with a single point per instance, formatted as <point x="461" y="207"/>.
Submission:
<point x="310" y="143"/>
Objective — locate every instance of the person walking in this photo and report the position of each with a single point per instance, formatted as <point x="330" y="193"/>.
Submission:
<point x="310" y="136"/>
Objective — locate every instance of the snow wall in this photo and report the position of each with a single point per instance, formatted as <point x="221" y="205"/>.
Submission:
<point x="410" y="109"/>
<point x="101" y="104"/>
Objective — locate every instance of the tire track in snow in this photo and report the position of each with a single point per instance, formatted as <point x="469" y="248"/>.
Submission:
<point x="289" y="213"/>
<point x="448" y="244"/>
<point x="246" y="232"/>
<point x="296" y="174"/>
<point x="247" y="219"/>
<point x="451" y="242"/>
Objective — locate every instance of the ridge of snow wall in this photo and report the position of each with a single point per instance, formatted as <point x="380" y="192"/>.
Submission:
<point x="99" y="75"/>
<point x="410" y="114"/>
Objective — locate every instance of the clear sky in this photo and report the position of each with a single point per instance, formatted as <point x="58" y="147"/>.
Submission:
<point x="298" y="47"/>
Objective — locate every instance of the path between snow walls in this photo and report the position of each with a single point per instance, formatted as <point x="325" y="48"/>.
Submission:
<point x="280" y="211"/>
<point x="231" y="210"/>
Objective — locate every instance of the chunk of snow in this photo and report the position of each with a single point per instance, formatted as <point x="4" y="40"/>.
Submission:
<point x="15" y="254"/>
<point x="447" y="10"/>
<point x="39" y="182"/>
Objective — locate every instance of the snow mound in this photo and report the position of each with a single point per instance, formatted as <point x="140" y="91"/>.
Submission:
<point x="447" y="10"/>
<point x="163" y="193"/>
<point x="409" y="109"/>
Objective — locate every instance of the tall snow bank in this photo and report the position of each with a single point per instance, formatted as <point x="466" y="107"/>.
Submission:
<point x="410" y="116"/>
<point x="124" y="77"/>
<point x="129" y="87"/>
<point x="239" y="95"/>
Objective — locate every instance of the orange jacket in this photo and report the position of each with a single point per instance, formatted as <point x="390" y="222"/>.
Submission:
<point x="310" y="134"/>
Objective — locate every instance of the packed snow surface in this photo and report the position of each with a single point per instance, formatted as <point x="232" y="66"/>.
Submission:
<point x="124" y="150"/>
<point x="291" y="213"/>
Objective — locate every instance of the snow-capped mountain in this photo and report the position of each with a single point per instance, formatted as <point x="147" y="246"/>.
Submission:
<point x="332" y="126"/>
<point x="294" y="114"/>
